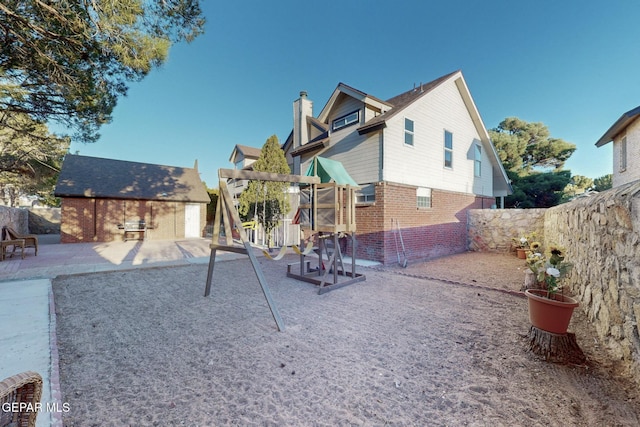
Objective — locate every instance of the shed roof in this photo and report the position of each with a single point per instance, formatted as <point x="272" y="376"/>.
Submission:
<point x="95" y="177"/>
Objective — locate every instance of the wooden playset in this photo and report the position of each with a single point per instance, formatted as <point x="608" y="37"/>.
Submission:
<point x="326" y="215"/>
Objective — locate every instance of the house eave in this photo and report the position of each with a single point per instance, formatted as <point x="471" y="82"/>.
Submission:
<point x="363" y="130"/>
<point x="310" y="147"/>
<point x="619" y="126"/>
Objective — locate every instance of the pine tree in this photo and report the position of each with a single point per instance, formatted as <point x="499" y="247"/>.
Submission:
<point x="267" y="201"/>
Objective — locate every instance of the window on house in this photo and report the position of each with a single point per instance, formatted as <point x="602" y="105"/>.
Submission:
<point x="408" y="131"/>
<point x="345" y="121"/>
<point x="477" y="160"/>
<point x="623" y="154"/>
<point x="366" y="194"/>
<point x="423" y="196"/>
<point x="365" y="198"/>
<point x="448" y="149"/>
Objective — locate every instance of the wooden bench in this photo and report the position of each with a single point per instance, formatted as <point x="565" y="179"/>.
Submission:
<point x="15" y="243"/>
<point x="137" y="226"/>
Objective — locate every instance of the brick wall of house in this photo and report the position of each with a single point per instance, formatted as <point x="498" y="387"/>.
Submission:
<point x="97" y="220"/>
<point x="426" y="232"/>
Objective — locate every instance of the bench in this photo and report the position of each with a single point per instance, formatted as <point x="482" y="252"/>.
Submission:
<point x="15" y="243"/>
<point x="137" y="226"/>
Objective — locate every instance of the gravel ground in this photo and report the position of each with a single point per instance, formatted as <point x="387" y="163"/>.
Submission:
<point x="436" y="343"/>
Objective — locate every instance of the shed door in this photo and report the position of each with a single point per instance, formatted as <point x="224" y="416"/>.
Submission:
<point x="192" y="220"/>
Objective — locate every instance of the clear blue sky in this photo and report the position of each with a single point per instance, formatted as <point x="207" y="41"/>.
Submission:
<point x="573" y="65"/>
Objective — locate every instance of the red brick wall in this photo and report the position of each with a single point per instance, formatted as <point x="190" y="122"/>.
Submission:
<point x="426" y="232"/>
<point x="96" y="220"/>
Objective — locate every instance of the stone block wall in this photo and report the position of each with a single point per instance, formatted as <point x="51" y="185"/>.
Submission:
<point x="492" y="230"/>
<point x="16" y="218"/>
<point x="601" y="236"/>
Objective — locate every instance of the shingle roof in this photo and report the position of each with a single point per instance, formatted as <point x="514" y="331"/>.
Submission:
<point x="83" y="176"/>
<point x="251" y="152"/>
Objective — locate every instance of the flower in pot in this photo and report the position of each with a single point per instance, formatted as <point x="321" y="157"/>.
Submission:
<point x="549" y="269"/>
<point x="549" y="308"/>
<point x="523" y="244"/>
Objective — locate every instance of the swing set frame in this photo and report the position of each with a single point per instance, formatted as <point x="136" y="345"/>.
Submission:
<point x="328" y="221"/>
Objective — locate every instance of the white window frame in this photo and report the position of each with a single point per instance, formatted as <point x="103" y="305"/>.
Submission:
<point x="366" y="194"/>
<point x="623" y="154"/>
<point x="409" y="133"/>
<point x="346" y="120"/>
<point x="448" y="150"/>
<point x="477" y="160"/>
<point x="423" y="198"/>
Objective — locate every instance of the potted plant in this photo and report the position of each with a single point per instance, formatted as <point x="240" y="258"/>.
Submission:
<point x="524" y="244"/>
<point x="549" y="309"/>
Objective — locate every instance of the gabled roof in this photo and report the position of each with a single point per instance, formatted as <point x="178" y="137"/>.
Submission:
<point x="246" y="151"/>
<point x="619" y="126"/>
<point x="95" y="177"/>
<point x="353" y="93"/>
<point x="399" y="102"/>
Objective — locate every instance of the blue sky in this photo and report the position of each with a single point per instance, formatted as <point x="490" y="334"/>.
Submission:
<point x="572" y="65"/>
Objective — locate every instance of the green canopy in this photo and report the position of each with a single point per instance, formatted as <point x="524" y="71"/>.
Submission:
<point x="330" y="171"/>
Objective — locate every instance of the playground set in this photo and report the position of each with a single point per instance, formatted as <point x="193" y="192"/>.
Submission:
<point x="326" y="215"/>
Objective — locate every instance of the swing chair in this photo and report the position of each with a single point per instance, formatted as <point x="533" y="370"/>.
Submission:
<point x="283" y="251"/>
<point x="306" y="251"/>
<point x="278" y="257"/>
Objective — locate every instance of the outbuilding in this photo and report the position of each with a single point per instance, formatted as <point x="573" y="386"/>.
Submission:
<point x="103" y="198"/>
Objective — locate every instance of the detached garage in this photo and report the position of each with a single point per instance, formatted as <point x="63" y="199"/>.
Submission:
<point x="99" y="196"/>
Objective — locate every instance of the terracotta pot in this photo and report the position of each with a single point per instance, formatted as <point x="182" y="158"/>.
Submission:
<point x="551" y="315"/>
<point x="522" y="253"/>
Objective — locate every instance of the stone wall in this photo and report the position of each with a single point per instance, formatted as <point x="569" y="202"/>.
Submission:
<point x="16" y="218"/>
<point x="44" y="220"/>
<point x="601" y="236"/>
<point x="492" y="230"/>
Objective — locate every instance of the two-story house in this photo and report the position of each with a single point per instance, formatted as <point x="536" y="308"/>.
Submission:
<point x="625" y="134"/>
<point x="422" y="159"/>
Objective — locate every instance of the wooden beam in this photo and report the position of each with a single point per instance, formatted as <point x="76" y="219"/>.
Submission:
<point x="266" y="176"/>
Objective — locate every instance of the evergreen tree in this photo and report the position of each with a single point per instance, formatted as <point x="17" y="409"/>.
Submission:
<point x="267" y="201"/>
<point x="69" y="61"/>
<point x="524" y="147"/>
<point x="533" y="161"/>
<point x="30" y="158"/>
<point x="604" y="182"/>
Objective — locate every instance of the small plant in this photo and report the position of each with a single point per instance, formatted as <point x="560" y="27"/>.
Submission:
<point x="525" y="241"/>
<point x="549" y="269"/>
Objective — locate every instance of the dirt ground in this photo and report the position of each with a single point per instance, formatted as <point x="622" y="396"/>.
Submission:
<point x="436" y="343"/>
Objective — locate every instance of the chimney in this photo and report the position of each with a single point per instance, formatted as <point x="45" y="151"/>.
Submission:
<point x="302" y="108"/>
